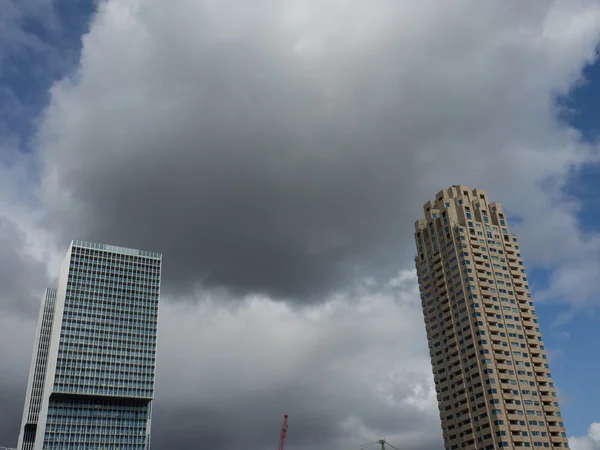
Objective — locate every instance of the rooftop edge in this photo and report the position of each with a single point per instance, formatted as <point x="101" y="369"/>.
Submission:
<point x="115" y="249"/>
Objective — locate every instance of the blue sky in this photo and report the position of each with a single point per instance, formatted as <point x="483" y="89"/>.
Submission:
<point x="573" y="371"/>
<point x="28" y="71"/>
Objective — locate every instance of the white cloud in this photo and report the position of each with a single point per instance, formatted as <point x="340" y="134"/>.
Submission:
<point x="589" y="442"/>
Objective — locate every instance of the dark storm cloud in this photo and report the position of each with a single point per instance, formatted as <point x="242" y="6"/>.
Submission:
<point x="285" y="149"/>
<point x="249" y="195"/>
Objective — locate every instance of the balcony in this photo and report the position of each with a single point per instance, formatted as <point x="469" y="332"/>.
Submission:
<point x="523" y="299"/>
<point x="515" y="427"/>
<point x="510" y="396"/>
<point x="520" y="290"/>
<point x="526" y="313"/>
<point x="493" y="327"/>
<point x="503" y="366"/>
<point x="514" y="417"/>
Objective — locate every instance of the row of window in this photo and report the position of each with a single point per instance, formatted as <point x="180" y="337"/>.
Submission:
<point x="90" y="446"/>
<point x="117" y="254"/>
<point x="110" y="341"/>
<point x="85" y="272"/>
<point x="127" y="304"/>
<point x="93" y="372"/>
<point x="97" y="390"/>
<point x="103" y="348"/>
<point x="83" y="320"/>
<point x="106" y="380"/>
<point x="82" y="359"/>
<point x="97" y="409"/>
<point x="99" y="289"/>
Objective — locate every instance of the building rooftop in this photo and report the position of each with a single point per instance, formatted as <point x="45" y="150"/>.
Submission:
<point x="115" y="249"/>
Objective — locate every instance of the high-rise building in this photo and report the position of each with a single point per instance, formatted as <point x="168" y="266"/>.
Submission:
<point x="490" y="367"/>
<point x="37" y="372"/>
<point x="91" y="382"/>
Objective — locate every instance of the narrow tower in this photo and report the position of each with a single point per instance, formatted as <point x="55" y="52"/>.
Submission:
<point x="490" y="367"/>
<point x="92" y="376"/>
<point x="37" y="372"/>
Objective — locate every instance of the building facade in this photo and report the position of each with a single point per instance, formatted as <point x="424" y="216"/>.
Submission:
<point x="98" y="370"/>
<point x="37" y="371"/>
<point x="492" y="378"/>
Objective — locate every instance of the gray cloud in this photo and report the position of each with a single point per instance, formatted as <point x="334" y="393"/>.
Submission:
<point x="16" y="345"/>
<point x="285" y="148"/>
<point x="10" y="415"/>
<point x="346" y="373"/>
<point x="23" y="278"/>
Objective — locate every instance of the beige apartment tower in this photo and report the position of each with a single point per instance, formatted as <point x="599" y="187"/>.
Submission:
<point x="492" y="379"/>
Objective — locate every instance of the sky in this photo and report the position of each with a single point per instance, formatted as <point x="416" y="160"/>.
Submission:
<point x="277" y="153"/>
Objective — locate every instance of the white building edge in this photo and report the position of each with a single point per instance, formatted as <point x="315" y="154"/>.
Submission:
<point x="37" y="372"/>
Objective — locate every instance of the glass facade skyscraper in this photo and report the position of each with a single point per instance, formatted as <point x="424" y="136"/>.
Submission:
<point x="92" y="382"/>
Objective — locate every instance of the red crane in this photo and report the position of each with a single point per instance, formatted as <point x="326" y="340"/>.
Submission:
<point x="283" y="434"/>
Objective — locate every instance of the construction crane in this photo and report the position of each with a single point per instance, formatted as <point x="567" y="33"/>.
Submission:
<point x="381" y="442"/>
<point x="283" y="434"/>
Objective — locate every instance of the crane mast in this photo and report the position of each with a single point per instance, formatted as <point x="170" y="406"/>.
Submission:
<point x="283" y="434"/>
